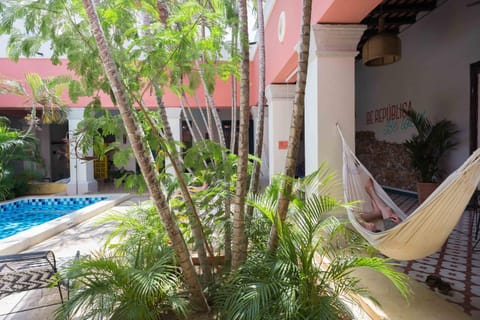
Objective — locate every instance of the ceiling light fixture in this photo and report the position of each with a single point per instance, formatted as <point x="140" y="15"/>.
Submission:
<point x="383" y="48"/>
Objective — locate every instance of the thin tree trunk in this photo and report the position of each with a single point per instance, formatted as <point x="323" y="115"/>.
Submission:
<point x="233" y="127"/>
<point x="233" y="142"/>
<point x="213" y="110"/>
<point x="227" y="202"/>
<point x="297" y="122"/>
<point x="145" y="159"/>
<point x="201" y="244"/>
<point x="205" y="121"/>
<point x="189" y="125"/>
<point x="195" y="223"/>
<point x="188" y="114"/>
<point x="239" y="247"/>
<point x="254" y="182"/>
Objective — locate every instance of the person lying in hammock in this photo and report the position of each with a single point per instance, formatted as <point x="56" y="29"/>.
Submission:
<point x="380" y="211"/>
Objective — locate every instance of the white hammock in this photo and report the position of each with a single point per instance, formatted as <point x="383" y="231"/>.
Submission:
<point x="424" y="231"/>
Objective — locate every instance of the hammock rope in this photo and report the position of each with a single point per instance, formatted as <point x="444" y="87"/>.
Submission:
<point x="425" y="230"/>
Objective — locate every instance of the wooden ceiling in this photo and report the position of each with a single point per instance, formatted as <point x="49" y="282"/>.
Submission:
<point x="397" y="14"/>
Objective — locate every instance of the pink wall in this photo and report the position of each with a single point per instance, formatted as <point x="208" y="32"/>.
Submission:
<point x="281" y="56"/>
<point x="17" y="70"/>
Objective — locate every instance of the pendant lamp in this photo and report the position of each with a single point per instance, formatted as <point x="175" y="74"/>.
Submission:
<point x="381" y="49"/>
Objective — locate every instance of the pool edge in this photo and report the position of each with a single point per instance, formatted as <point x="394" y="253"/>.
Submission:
<point x="37" y="234"/>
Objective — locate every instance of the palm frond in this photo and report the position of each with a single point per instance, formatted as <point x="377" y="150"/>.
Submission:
<point x="321" y="181"/>
<point x="136" y="277"/>
<point x="313" y="264"/>
<point x="12" y="87"/>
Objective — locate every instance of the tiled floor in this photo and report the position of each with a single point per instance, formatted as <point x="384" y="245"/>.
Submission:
<point x="457" y="262"/>
<point x="85" y="237"/>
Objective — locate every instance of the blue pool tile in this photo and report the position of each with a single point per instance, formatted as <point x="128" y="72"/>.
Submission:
<point x="23" y="214"/>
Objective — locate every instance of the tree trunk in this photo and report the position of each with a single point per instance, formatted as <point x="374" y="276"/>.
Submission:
<point x="145" y="159"/>
<point x="254" y="182"/>
<point x="197" y="231"/>
<point x="211" y="106"/>
<point x="201" y="244"/>
<point x="296" y="124"/>
<point x="233" y="141"/>
<point x="239" y="247"/>
<point x="188" y="115"/>
<point x="227" y="202"/>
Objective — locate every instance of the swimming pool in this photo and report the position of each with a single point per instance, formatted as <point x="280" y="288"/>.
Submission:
<point x="28" y="221"/>
<point x="24" y="214"/>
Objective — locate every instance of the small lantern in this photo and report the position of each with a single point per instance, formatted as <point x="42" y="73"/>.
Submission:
<point x="382" y="49"/>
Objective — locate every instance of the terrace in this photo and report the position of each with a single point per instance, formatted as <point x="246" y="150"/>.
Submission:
<point x="457" y="263"/>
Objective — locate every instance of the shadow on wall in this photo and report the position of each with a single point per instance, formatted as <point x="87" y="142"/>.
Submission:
<point x="388" y="162"/>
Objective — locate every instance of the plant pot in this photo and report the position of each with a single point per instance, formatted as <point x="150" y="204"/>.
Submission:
<point x="424" y="189"/>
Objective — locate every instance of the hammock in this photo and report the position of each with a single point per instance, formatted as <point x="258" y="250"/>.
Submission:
<point x="424" y="231"/>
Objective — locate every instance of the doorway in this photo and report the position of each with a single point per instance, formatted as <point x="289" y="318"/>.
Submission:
<point x="474" y="103"/>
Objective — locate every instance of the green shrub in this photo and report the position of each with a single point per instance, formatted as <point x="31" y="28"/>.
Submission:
<point x="135" y="277"/>
<point x="310" y="274"/>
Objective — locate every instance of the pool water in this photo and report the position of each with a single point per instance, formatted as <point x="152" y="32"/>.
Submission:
<point x="24" y="214"/>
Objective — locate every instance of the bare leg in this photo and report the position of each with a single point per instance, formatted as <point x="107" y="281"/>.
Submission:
<point x="369" y="226"/>
<point x="374" y="215"/>
<point x="386" y="211"/>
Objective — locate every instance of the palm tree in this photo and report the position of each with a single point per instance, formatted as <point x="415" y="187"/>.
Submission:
<point x="45" y="96"/>
<point x="311" y="271"/>
<point x="254" y="182"/>
<point x="201" y="242"/>
<point x="239" y="243"/>
<point x="297" y="118"/>
<point x="144" y="158"/>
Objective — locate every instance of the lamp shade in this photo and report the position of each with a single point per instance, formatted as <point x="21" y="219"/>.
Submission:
<point x="382" y="49"/>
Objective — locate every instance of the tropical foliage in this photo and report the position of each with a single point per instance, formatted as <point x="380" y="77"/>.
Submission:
<point x="130" y="49"/>
<point x="429" y="145"/>
<point x="310" y="274"/>
<point x="42" y="95"/>
<point x="134" y="277"/>
<point x="15" y="148"/>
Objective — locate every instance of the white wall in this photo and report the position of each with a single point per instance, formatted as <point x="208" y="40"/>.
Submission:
<point x="433" y="76"/>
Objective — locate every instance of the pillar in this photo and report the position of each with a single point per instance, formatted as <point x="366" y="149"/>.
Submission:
<point x="280" y="105"/>
<point x="330" y="94"/>
<point x="81" y="171"/>
<point x="174" y="116"/>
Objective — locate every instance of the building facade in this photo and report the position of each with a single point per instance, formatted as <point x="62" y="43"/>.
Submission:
<point x="435" y="75"/>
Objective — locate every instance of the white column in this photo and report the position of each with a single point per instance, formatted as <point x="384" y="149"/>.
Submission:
<point x="280" y="105"/>
<point x="264" y="169"/>
<point x="174" y="116"/>
<point x="81" y="171"/>
<point x="330" y="94"/>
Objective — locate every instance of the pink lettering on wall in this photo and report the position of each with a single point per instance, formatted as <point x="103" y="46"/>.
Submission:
<point x="389" y="112"/>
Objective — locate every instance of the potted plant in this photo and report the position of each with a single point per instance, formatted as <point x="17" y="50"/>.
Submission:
<point x="426" y="148"/>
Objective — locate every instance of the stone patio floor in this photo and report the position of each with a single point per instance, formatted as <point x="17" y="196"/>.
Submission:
<point x="85" y="237"/>
<point x="457" y="263"/>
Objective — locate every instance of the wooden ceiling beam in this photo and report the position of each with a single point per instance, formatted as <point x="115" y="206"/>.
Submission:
<point x="391" y="20"/>
<point x="404" y="8"/>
